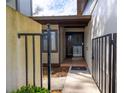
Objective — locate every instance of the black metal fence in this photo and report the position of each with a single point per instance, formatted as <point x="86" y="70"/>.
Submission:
<point x="104" y="62"/>
<point x="33" y="35"/>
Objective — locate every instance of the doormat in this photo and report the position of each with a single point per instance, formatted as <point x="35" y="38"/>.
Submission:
<point x="77" y="58"/>
<point x="78" y="68"/>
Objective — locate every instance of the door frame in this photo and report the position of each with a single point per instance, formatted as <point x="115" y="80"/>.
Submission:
<point x="82" y="45"/>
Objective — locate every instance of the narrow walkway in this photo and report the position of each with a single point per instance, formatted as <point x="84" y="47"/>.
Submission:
<point x="79" y="81"/>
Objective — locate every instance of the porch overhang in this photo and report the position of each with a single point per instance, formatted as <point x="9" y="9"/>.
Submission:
<point x="64" y="20"/>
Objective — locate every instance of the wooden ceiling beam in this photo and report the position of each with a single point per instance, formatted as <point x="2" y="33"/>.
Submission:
<point x="63" y="20"/>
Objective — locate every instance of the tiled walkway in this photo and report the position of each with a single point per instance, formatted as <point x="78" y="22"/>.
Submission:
<point x="73" y="62"/>
<point x="79" y="81"/>
<point x="56" y="83"/>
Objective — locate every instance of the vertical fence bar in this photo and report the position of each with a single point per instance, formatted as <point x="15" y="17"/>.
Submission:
<point x="95" y="61"/>
<point x="96" y="58"/>
<point x="102" y="67"/>
<point x="110" y="43"/>
<point x="99" y="60"/>
<point x="26" y="59"/>
<point x="100" y="64"/>
<point x="33" y="44"/>
<point x="105" y="63"/>
<point x="114" y="64"/>
<point x="41" y="64"/>
<point x="97" y="64"/>
<point x="92" y="55"/>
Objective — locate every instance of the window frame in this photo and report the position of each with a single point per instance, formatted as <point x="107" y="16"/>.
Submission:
<point x="56" y="40"/>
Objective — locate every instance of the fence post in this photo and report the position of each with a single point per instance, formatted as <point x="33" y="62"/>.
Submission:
<point x="26" y="59"/>
<point x="49" y="56"/>
<point x="41" y="64"/>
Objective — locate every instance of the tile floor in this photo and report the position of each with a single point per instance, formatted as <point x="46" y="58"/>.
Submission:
<point x="80" y="62"/>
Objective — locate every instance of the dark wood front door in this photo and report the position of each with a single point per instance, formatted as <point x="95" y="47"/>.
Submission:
<point x="74" y="44"/>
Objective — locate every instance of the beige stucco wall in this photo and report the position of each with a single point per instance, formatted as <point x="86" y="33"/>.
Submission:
<point x="62" y="44"/>
<point x="73" y="30"/>
<point x="15" y="64"/>
<point x="54" y="56"/>
<point x="54" y="27"/>
<point x="104" y="21"/>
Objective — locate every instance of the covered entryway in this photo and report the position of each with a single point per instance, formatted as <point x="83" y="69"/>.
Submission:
<point x="72" y="45"/>
<point x="69" y="29"/>
<point x="63" y="45"/>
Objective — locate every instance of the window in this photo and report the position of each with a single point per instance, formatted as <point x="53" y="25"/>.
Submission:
<point x="53" y="41"/>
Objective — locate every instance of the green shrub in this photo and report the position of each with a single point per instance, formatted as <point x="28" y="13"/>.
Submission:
<point x="31" y="89"/>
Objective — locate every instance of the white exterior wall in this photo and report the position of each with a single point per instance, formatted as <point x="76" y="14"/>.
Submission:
<point x="89" y="7"/>
<point x="103" y="21"/>
<point x="88" y="46"/>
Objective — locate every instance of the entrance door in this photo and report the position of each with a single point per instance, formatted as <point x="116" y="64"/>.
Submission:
<point x="74" y="44"/>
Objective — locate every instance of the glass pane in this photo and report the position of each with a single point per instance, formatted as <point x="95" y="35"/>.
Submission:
<point x="107" y="65"/>
<point x="45" y="42"/>
<point x="53" y="40"/>
<point x="104" y="65"/>
<point x="107" y="56"/>
<point x="101" y="64"/>
<point x="98" y="60"/>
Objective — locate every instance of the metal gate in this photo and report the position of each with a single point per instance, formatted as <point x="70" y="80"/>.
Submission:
<point x="104" y="62"/>
<point x="33" y="35"/>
